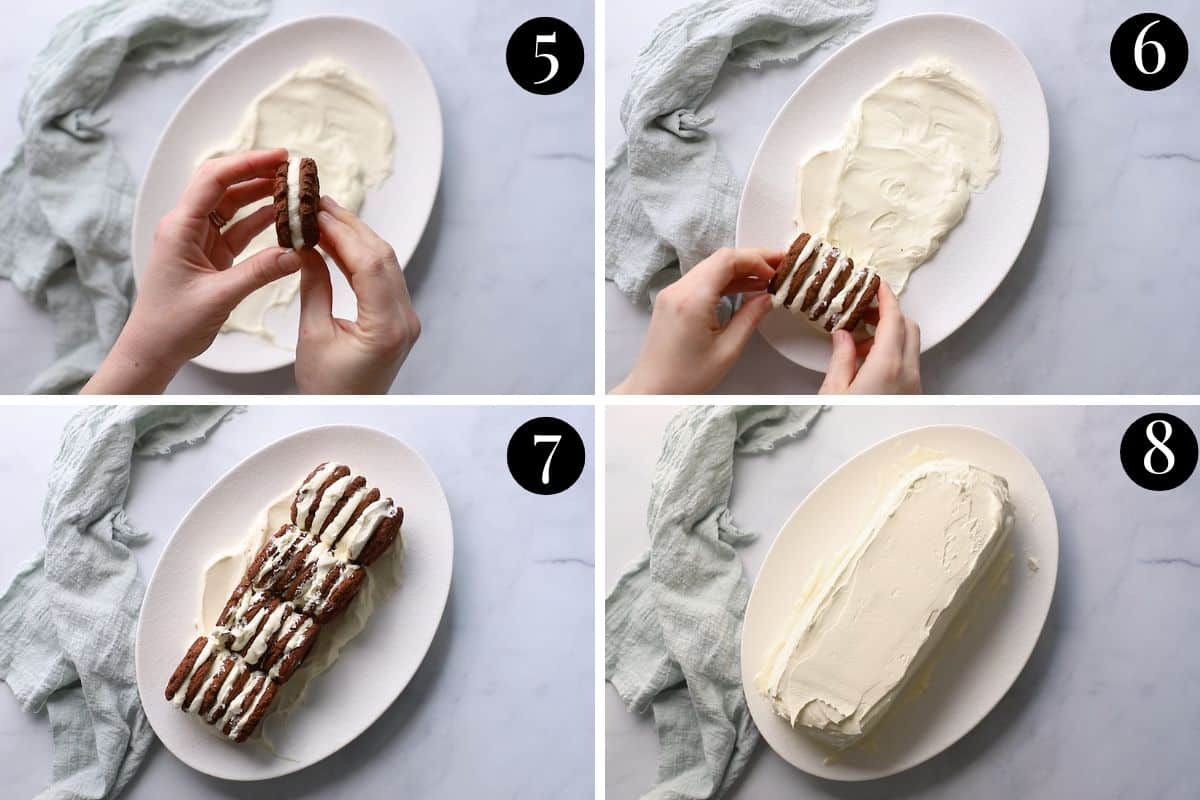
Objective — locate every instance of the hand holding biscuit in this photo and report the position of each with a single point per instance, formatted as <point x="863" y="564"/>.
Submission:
<point x="686" y="350"/>
<point x="891" y="359"/>
<point x="190" y="284"/>
<point x="336" y="356"/>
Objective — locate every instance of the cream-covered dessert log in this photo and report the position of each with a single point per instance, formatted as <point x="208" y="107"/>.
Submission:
<point x="296" y="568"/>
<point x="867" y="620"/>
<point x="268" y="633"/>
<point x="217" y="686"/>
<point x="341" y="511"/>
<point x="823" y="285"/>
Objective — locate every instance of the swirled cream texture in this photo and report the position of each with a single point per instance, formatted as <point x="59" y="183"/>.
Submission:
<point x="915" y="149"/>
<point x="868" y="618"/>
<point x="323" y="111"/>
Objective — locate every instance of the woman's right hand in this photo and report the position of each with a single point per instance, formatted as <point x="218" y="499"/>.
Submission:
<point x="891" y="360"/>
<point x="687" y="350"/>
<point x="336" y="356"/>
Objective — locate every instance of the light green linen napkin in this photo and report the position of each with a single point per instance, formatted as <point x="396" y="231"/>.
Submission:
<point x="67" y="622"/>
<point x="69" y="194"/>
<point x="673" y="622"/>
<point x="671" y="198"/>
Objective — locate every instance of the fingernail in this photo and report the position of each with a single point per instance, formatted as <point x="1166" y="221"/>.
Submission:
<point x="330" y="201"/>
<point x="324" y="217"/>
<point x="289" y="261"/>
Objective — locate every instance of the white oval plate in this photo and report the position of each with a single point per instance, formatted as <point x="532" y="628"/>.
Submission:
<point x="398" y="210"/>
<point x="971" y="672"/>
<point x="945" y="291"/>
<point x="370" y="672"/>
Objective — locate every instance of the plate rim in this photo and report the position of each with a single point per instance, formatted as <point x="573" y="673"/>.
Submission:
<point x="292" y="766"/>
<point x="135" y="233"/>
<point x="1052" y="575"/>
<point x="1044" y="164"/>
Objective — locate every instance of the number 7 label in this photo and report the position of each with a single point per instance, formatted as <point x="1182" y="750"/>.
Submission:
<point x="540" y="438"/>
<point x="545" y="455"/>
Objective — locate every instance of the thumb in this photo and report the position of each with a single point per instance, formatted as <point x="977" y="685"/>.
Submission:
<point x="843" y="364"/>
<point x="260" y="269"/>
<point x="745" y="321"/>
<point x="316" y="295"/>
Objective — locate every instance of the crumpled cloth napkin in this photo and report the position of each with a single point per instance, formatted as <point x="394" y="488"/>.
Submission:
<point x="68" y="193"/>
<point x="670" y="195"/>
<point x="673" y="622"/>
<point x="68" y="620"/>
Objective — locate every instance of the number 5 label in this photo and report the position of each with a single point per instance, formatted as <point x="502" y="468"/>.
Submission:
<point x="545" y="56"/>
<point x="546" y="455"/>
<point x="539" y="40"/>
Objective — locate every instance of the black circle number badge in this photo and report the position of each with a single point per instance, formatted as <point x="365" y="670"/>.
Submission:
<point x="545" y="55"/>
<point x="1149" y="52"/>
<point x="1158" y="452"/>
<point x="545" y="456"/>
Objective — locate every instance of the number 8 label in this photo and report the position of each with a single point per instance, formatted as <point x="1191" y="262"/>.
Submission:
<point x="1158" y="446"/>
<point x="1161" y="466"/>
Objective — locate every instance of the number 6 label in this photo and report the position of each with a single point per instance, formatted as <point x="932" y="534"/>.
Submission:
<point x="546" y="456"/>
<point x="545" y="56"/>
<point x="1149" y="52"/>
<point x="1139" y="49"/>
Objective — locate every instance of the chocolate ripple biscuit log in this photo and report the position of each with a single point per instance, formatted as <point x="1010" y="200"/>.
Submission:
<point x="294" y="567"/>
<point x="344" y="513"/>
<point x="297" y="193"/>
<point x="217" y="686"/>
<point x="823" y="285"/>
<point x="268" y="633"/>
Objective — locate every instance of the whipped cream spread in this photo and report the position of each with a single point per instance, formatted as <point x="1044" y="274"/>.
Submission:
<point x="914" y="150"/>
<point x="222" y="574"/>
<point x="293" y="193"/>
<point x="868" y="618"/>
<point x="326" y="112"/>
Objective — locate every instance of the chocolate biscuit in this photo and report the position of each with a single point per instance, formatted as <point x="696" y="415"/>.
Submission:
<point x="309" y="199"/>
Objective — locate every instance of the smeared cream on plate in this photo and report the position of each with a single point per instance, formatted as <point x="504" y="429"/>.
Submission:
<point x="323" y="111"/>
<point x="914" y="150"/>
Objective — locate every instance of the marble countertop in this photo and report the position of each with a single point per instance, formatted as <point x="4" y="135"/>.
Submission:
<point x="1104" y="707"/>
<point x="503" y="278"/>
<point x="502" y="705"/>
<point x="1100" y="299"/>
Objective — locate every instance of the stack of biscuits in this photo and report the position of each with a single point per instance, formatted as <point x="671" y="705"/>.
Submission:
<point x="819" y="282"/>
<point x="303" y="577"/>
